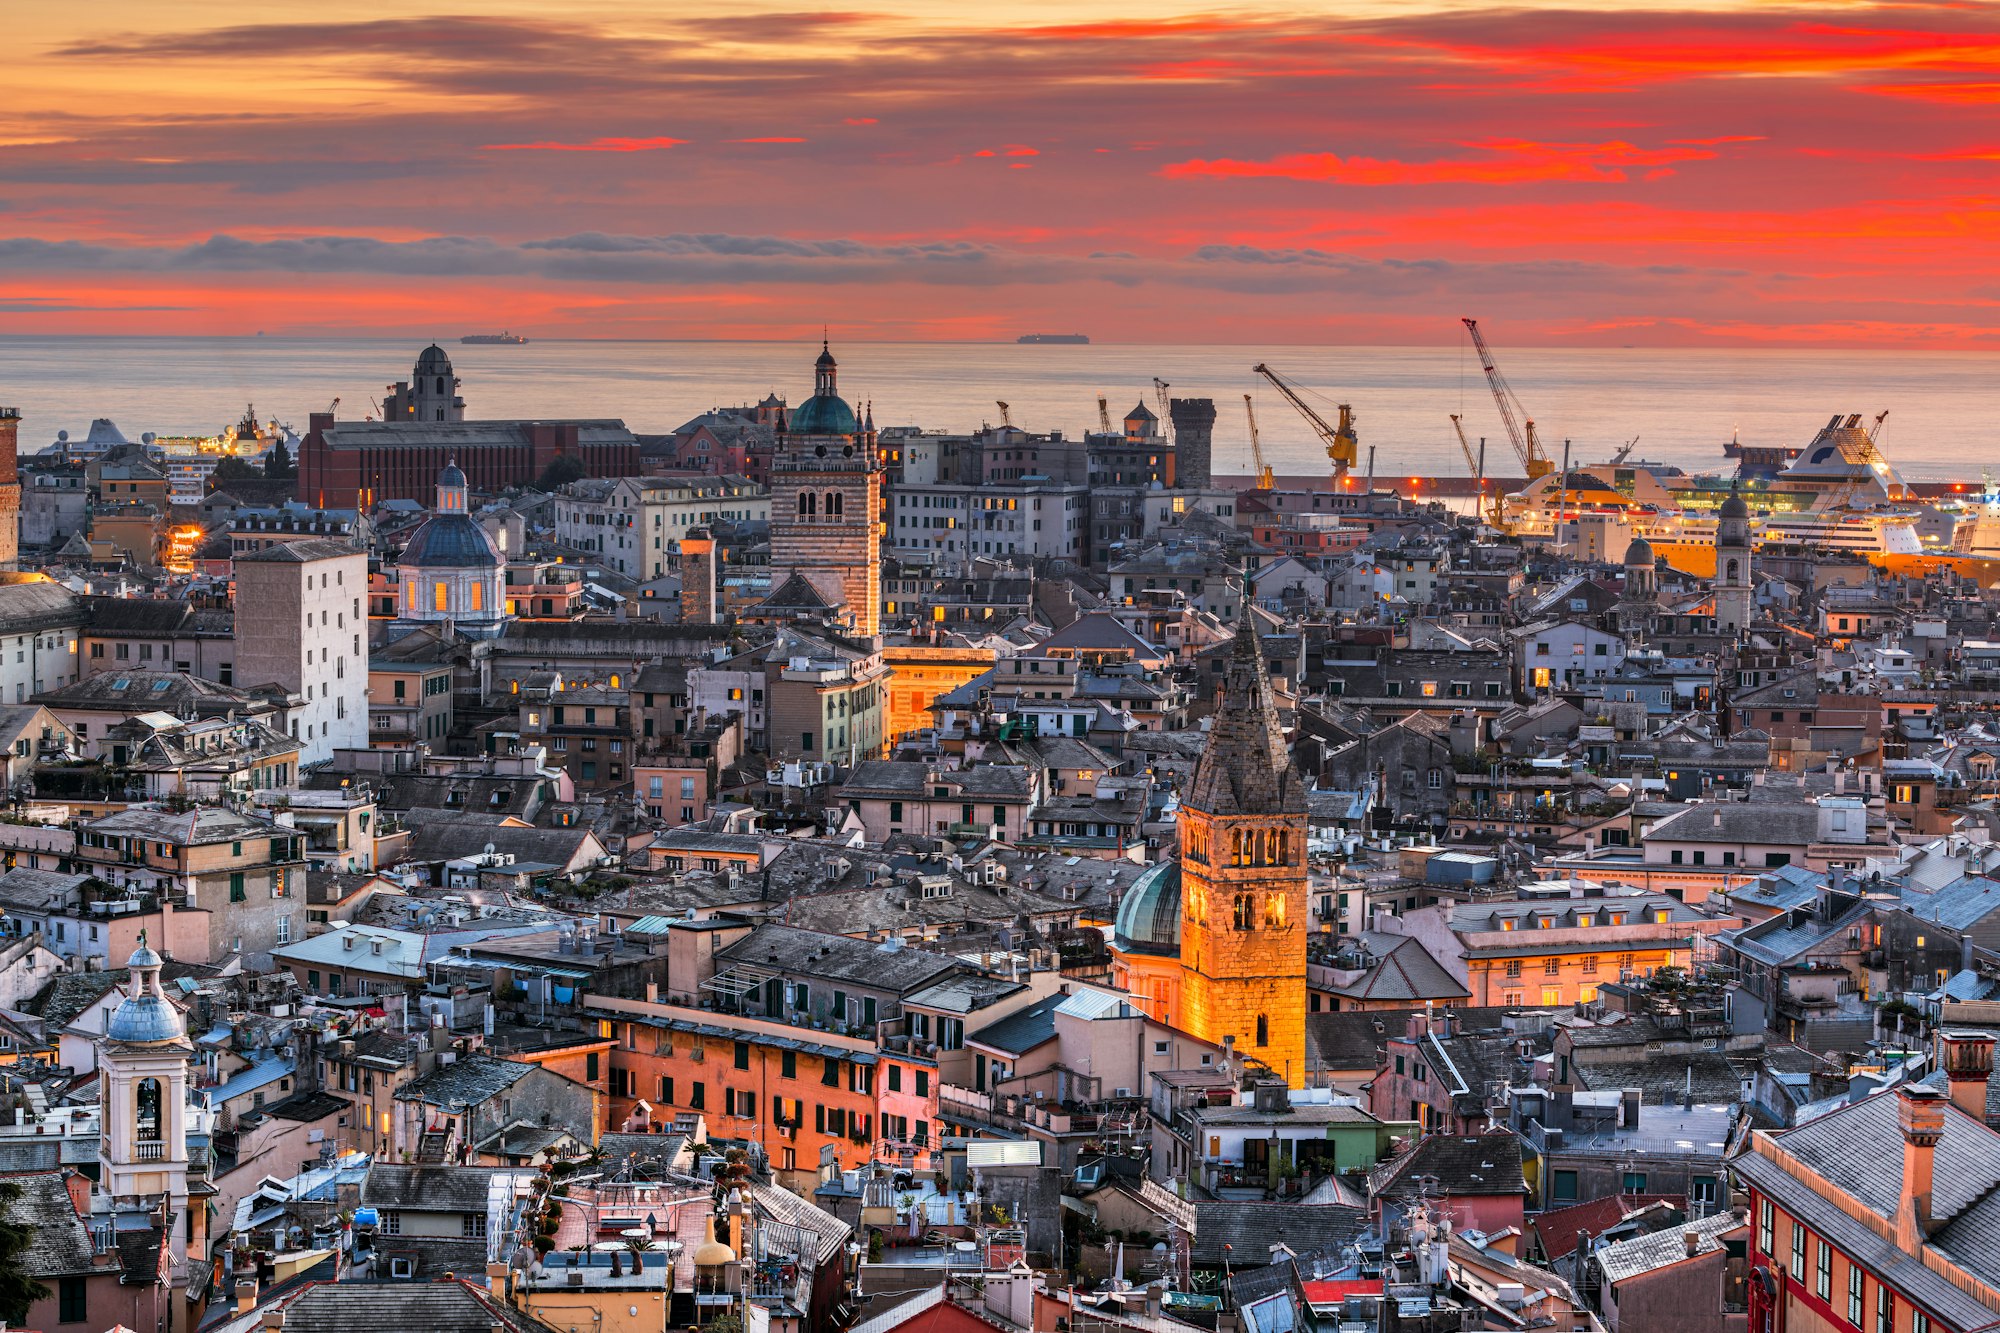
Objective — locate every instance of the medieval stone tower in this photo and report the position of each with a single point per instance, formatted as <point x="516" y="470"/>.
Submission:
<point x="1243" y="876"/>
<point x="826" y="501"/>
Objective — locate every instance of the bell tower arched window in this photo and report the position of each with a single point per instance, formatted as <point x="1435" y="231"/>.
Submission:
<point x="147" y="1126"/>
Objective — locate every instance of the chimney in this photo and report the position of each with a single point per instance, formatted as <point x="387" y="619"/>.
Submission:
<point x="1692" y="1239"/>
<point x="274" y="1318"/>
<point x="1922" y="1115"/>
<point x="1628" y="1108"/>
<point x="246" y="1295"/>
<point x="1968" y="1063"/>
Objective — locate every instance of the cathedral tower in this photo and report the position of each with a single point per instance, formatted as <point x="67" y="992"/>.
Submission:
<point x="1732" y="566"/>
<point x="1243" y="876"/>
<point x="826" y="500"/>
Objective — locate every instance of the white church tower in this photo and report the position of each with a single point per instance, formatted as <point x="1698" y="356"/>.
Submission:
<point x="143" y="1154"/>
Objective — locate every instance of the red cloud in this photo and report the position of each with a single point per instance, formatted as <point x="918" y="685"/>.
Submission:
<point x="1515" y="162"/>
<point x="612" y="145"/>
<point x="861" y="120"/>
<point x="771" y="138"/>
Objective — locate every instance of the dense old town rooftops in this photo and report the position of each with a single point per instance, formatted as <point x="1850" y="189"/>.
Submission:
<point x="960" y="845"/>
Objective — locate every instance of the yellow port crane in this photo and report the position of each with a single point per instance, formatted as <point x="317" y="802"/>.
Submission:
<point x="1527" y="446"/>
<point x="1264" y="479"/>
<point x="1342" y="445"/>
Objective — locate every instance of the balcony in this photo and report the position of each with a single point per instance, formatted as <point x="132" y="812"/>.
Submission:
<point x="149" y="1151"/>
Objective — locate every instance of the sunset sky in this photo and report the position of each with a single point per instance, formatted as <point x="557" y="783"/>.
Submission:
<point x="1714" y="174"/>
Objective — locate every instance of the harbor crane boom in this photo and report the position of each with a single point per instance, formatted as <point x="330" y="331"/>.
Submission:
<point x="1465" y="446"/>
<point x="1477" y="463"/>
<point x="1006" y="415"/>
<point x="1625" y="451"/>
<point x="1527" y="446"/>
<point x="1341" y="443"/>
<point x="1264" y="479"/>
<point x="1103" y="414"/>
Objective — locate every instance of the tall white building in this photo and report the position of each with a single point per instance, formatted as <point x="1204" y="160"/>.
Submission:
<point x="301" y="623"/>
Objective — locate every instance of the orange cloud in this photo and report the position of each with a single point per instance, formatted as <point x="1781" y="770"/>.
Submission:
<point x="770" y="138"/>
<point x="1515" y="162"/>
<point x="611" y="145"/>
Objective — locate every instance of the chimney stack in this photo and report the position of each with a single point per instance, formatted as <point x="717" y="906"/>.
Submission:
<point x="246" y="1295"/>
<point x="1922" y="1116"/>
<point x="1692" y="1239"/>
<point x="1968" y="1063"/>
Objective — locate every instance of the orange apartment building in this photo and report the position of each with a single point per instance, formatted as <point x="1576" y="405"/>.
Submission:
<point x="792" y="1090"/>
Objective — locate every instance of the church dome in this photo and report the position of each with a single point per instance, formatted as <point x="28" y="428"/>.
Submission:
<point x="1733" y="507"/>
<point x="145" y="1016"/>
<point x="433" y="361"/>
<point x="1640" y="552"/>
<point x="451" y="541"/>
<point x="824" y="414"/>
<point x="1149" y="916"/>
<point x="452" y="475"/>
<point x="713" y="1253"/>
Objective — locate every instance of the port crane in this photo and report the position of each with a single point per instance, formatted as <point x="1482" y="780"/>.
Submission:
<point x="1477" y="463"/>
<point x="1160" y="388"/>
<point x="1527" y="446"/>
<point x="1103" y="414"/>
<point x="1341" y="443"/>
<point x="1264" y="479"/>
<point x="1006" y="414"/>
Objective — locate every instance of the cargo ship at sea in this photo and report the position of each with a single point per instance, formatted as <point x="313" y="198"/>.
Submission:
<point x="493" y="339"/>
<point x="1076" y="339"/>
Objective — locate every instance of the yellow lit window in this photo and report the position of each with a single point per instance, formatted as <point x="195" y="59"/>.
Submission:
<point x="1274" y="910"/>
<point x="1430" y="689"/>
<point x="614" y="680"/>
<point x="410" y="594"/>
<point x="479" y="597"/>
<point x="441" y="597"/>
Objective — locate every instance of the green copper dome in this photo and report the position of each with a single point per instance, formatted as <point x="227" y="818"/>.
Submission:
<point x="824" y="414"/>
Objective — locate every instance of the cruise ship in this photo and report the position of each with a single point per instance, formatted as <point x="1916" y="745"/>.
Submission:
<point x="1838" y="492"/>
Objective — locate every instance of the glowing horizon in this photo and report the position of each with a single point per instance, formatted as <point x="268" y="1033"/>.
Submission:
<point x="1705" y="174"/>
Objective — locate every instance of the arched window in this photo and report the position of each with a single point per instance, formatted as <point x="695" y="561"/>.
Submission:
<point x="1246" y="912"/>
<point x="1731" y="575"/>
<point x="1263" y="1030"/>
<point x="146" y="1127"/>
<point x="806" y="502"/>
<point x="1236" y="847"/>
<point x="833" y="504"/>
<point x="440" y="390"/>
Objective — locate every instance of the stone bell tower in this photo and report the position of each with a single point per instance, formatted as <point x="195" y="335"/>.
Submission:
<point x="1243" y="875"/>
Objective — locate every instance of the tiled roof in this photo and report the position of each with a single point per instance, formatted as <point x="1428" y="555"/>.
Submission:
<point x="58" y="1242"/>
<point x="1857" y="1151"/>
<point x="1642" y="1254"/>
<point x="1561" y="1229"/>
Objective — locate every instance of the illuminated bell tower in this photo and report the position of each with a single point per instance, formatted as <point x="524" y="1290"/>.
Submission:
<point x="1243" y="875"/>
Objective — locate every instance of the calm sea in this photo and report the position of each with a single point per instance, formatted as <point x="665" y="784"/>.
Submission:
<point x="1681" y="405"/>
